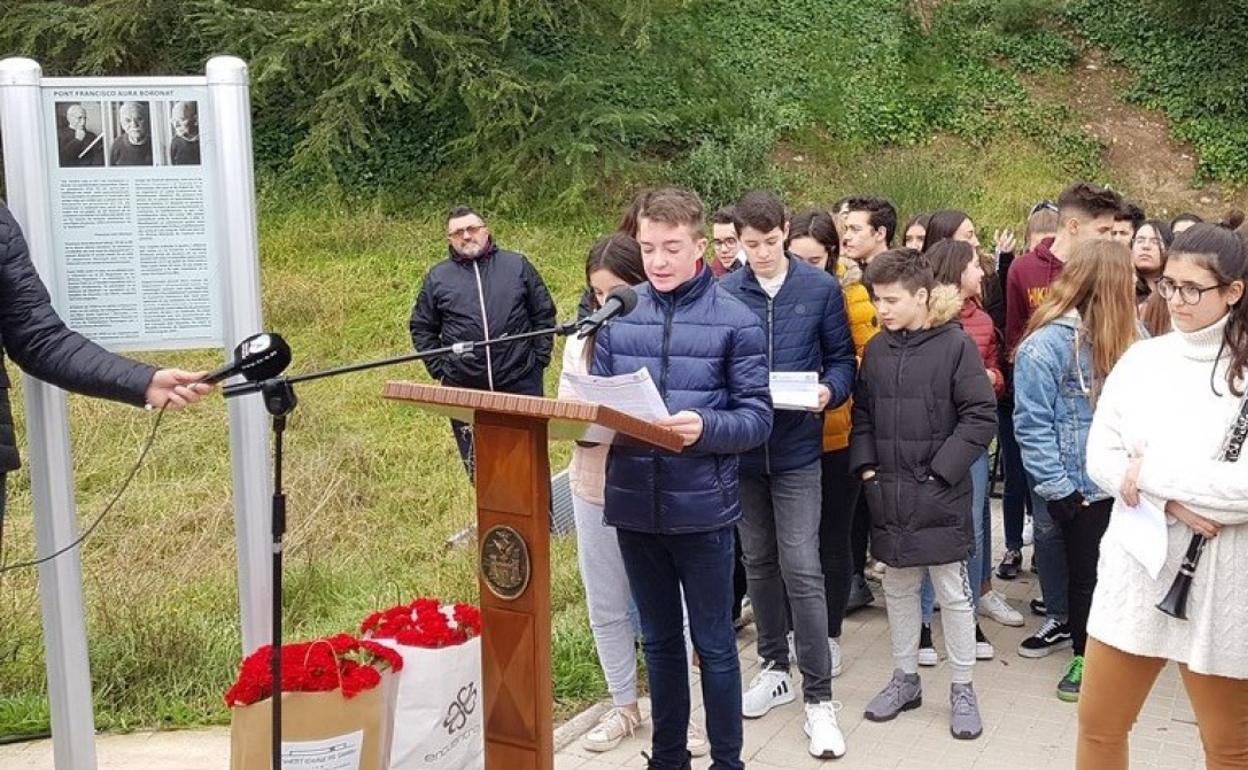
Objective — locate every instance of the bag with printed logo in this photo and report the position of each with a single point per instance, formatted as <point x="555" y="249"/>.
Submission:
<point x="438" y="722"/>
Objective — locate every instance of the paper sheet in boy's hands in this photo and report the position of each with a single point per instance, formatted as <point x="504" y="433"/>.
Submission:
<point x="795" y="390"/>
<point x="633" y="394"/>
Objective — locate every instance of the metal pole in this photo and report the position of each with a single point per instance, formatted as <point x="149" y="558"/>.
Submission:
<point x="234" y="198"/>
<point x="47" y="426"/>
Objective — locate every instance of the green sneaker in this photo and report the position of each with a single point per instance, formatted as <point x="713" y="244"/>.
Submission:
<point x="1068" y="688"/>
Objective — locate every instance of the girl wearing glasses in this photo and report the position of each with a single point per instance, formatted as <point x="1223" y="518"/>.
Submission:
<point x="1164" y="420"/>
<point x="1148" y="253"/>
<point x="1073" y="340"/>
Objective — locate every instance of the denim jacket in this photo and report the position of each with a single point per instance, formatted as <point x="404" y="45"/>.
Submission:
<point x="1053" y="410"/>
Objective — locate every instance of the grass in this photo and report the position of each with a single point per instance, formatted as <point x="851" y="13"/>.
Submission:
<point x="375" y="488"/>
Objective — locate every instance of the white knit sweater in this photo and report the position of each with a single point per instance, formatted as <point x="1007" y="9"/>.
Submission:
<point x="1158" y="402"/>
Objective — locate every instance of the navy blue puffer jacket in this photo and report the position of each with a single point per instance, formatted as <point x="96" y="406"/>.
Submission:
<point x="706" y="353"/>
<point x="807" y="331"/>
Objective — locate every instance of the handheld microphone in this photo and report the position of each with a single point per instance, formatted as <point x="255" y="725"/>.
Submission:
<point x="259" y="357"/>
<point x="620" y="301"/>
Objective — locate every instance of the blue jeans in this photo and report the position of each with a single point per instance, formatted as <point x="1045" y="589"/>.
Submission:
<point x="979" y="566"/>
<point x="1016" y="498"/>
<point x="1050" y="558"/>
<point x="658" y="566"/>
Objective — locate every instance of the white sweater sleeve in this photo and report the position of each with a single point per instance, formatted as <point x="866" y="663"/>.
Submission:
<point x="1214" y="489"/>
<point x="1108" y="454"/>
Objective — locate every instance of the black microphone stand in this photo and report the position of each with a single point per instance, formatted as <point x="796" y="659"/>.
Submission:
<point x="279" y="401"/>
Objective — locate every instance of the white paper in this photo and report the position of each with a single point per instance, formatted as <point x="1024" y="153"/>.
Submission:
<point x="342" y="752"/>
<point x="1141" y="531"/>
<point x="795" y="390"/>
<point x="633" y="394"/>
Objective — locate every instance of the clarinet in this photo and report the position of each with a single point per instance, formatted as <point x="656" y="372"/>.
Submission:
<point x="1175" y="602"/>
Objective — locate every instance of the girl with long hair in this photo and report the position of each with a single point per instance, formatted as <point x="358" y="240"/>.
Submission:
<point x="613" y="261"/>
<point x="1073" y="341"/>
<point x="1167" y="419"/>
<point x="1149" y="247"/>
<point x="915" y="231"/>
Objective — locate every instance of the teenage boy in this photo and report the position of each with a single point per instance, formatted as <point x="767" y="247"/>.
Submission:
<point x="870" y="224"/>
<point x="726" y="253"/>
<point x="923" y="411"/>
<point x="1084" y="212"/>
<point x="674" y="513"/>
<point x="868" y="229"/>
<point x="803" y="315"/>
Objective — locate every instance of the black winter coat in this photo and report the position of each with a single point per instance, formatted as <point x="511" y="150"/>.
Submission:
<point x="33" y="335"/>
<point x="450" y="307"/>
<point x="923" y="412"/>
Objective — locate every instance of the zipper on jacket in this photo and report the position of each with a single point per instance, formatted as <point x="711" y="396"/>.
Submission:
<point x="669" y="315"/>
<point x="901" y="362"/>
<point x="485" y="324"/>
<point x="770" y="319"/>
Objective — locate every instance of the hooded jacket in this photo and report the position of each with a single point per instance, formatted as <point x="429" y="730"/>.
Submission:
<point x="466" y="299"/>
<point x="923" y="412"/>
<point x="34" y="336"/>
<point x="706" y="352"/>
<point x="807" y="331"/>
<point x="863" y="325"/>
<point x="1026" y="286"/>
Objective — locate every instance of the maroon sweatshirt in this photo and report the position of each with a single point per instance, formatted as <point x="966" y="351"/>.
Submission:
<point x="1028" y="284"/>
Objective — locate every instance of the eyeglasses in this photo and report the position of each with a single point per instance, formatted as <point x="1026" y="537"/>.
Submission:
<point x="725" y="244"/>
<point x="1142" y="241"/>
<point x="1191" y="295"/>
<point x="465" y="232"/>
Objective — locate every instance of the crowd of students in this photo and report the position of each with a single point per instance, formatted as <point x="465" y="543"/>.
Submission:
<point x="1107" y="365"/>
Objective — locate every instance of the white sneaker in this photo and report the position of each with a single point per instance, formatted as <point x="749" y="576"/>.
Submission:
<point x="1029" y="531"/>
<point x="983" y="647"/>
<point x="825" y="736"/>
<point x="792" y="651"/>
<point x="834" y="650"/>
<point x="768" y="689"/>
<point x="696" y="742"/>
<point x="614" y="726"/>
<point x="993" y="605"/>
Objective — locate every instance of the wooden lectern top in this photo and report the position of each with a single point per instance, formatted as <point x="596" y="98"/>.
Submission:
<point x="566" y="420"/>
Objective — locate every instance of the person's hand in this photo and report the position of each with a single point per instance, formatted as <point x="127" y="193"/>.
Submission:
<point x="175" y="388"/>
<point x="1003" y="241"/>
<point x="688" y="425"/>
<point x="80" y="134"/>
<point x="1193" y="520"/>
<point x="992" y="377"/>
<point x="825" y="395"/>
<point x="1068" y="507"/>
<point x="1129" y="491"/>
<point x="868" y="474"/>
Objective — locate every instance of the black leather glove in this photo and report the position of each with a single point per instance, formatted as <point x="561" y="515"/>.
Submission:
<point x="1068" y="507"/>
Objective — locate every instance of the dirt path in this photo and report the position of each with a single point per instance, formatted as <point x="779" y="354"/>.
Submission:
<point x="1151" y="166"/>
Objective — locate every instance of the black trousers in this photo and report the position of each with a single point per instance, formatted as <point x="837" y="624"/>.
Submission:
<point x="860" y="535"/>
<point x="738" y="577"/>
<point x="836" y="546"/>
<point x="1083" y="549"/>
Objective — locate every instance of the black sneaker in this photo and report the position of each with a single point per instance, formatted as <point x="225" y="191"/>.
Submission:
<point x="927" y="650"/>
<point x="1050" y="637"/>
<point x="1038" y="608"/>
<point x="1011" y="564"/>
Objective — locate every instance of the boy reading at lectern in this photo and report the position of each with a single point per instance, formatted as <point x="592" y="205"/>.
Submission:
<point x="674" y="513"/>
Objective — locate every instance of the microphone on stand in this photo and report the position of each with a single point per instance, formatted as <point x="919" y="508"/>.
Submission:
<point x="259" y="357"/>
<point x="620" y="301"/>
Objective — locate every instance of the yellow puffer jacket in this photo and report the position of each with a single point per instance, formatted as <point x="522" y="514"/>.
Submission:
<point x="862" y="326"/>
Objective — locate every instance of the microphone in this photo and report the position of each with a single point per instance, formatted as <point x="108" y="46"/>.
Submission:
<point x="620" y="301"/>
<point x="259" y="357"/>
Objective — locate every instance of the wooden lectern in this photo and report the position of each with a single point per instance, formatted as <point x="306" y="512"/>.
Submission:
<point x="513" y="538"/>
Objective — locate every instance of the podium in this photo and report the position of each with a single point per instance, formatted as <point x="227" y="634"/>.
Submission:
<point x="513" y="540"/>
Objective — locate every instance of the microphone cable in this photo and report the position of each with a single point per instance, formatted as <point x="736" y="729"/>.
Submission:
<point x="147" y="445"/>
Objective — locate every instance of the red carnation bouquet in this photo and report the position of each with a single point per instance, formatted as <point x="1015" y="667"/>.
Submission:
<point x="337" y="662"/>
<point x="424" y="623"/>
<point x="438" y="711"/>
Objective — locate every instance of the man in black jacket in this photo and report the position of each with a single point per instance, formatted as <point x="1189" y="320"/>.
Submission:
<point x="33" y="335"/>
<point x="481" y="292"/>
